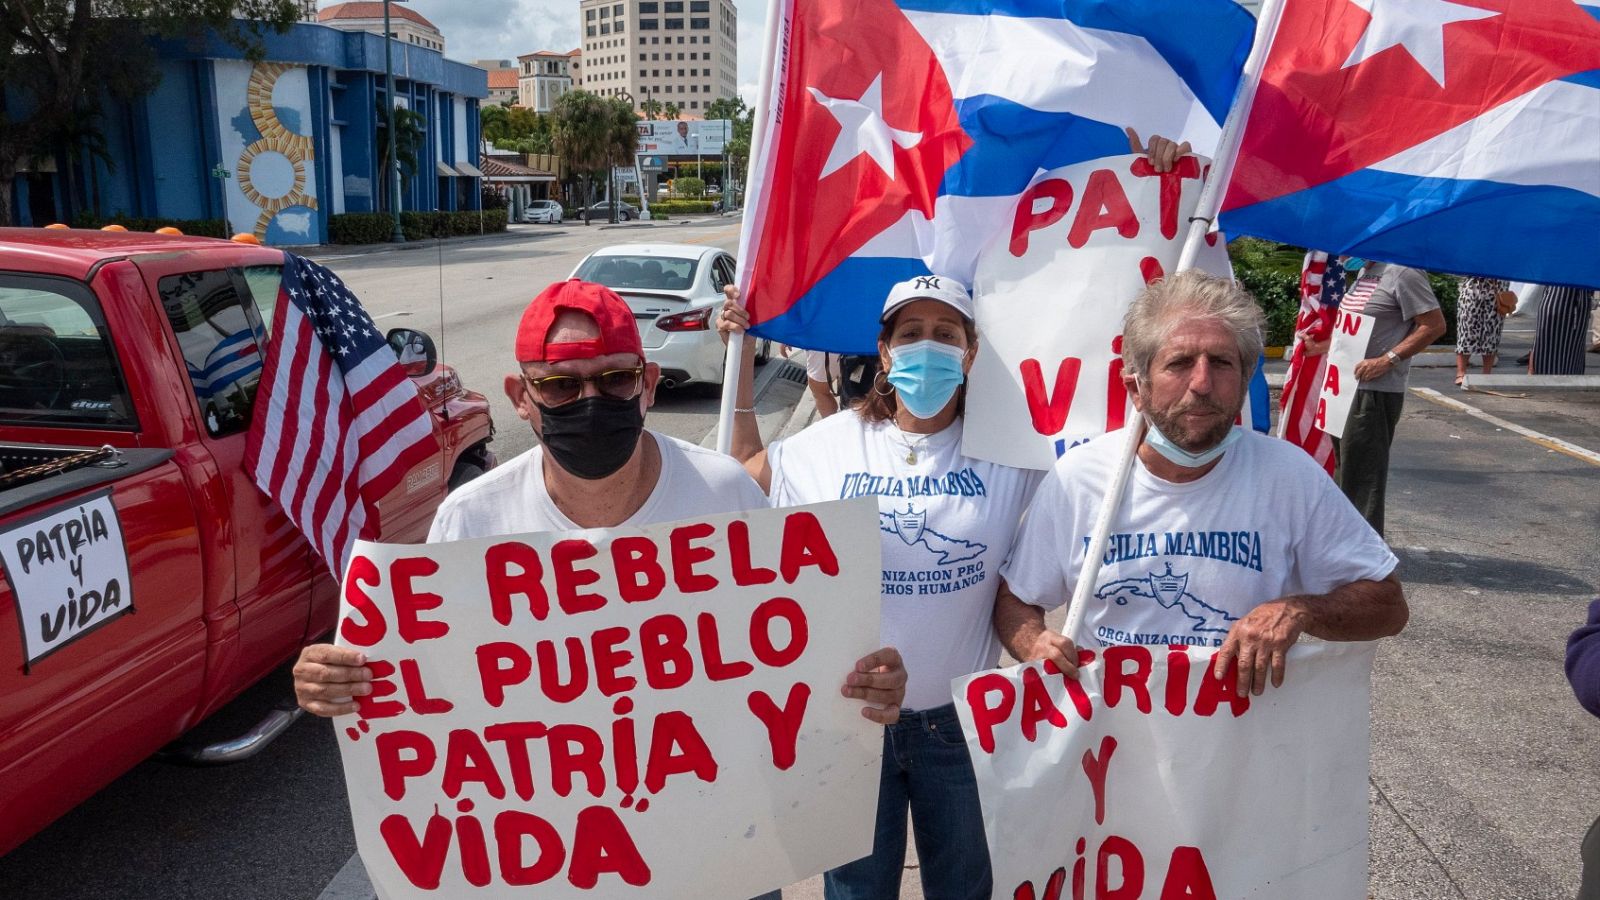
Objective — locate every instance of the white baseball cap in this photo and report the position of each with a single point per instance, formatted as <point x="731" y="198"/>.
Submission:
<point x="948" y="291"/>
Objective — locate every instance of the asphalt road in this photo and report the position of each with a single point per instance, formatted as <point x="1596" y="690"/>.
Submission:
<point x="1483" y="767"/>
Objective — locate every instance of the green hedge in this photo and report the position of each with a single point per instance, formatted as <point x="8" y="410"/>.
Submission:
<point x="682" y="206"/>
<point x="374" y="228"/>
<point x="197" y="227"/>
<point x="1272" y="273"/>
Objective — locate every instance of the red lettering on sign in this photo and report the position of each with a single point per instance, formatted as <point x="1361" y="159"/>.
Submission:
<point x="1104" y="205"/>
<point x="1214" y="691"/>
<point x="515" y="737"/>
<point x="667" y="664"/>
<point x="504" y="584"/>
<point x="1048" y="409"/>
<point x="805" y="544"/>
<point x="1037" y="706"/>
<point x="984" y="716"/>
<point x="576" y="750"/>
<point x="1171" y="189"/>
<point x="608" y="659"/>
<point x="1058" y="192"/>
<point x="550" y="671"/>
<point x="1118" y="678"/>
<point x="744" y="574"/>
<point x="1052" y="888"/>
<point x="1331" y="384"/>
<point x="564" y="557"/>
<point x="417" y="692"/>
<point x="466" y="759"/>
<point x="500" y="665"/>
<point x="1131" y="864"/>
<point x="602" y="844"/>
<point x="372" y="627"/>
<point x="420" y="860"/>
<point x="511" y="829"/>
<point x="1187" y="877"/>
<point x="675" y="747"/>
<point x="1150" y="269"/>
<point x="782" y="722"/>
<point x="761" y="632"/>
<point x="1116" y="391"/>
<point x="1350" y="324"/>
<point x="409" y="602"/>
<point x="373" y="706"/>
<point x="1075" y="692"/>
<point x="1095" y="767"/>
<point x="474" y="848"/>
<point x="1321" y="419"/>
<point x="403" y="754"/>
<point x="711" y="652"/>
<point x="1177" y="699"/>
<point x="686" y="555"/>
<point x="639" y="575"/>
<point x="625" y="750"/>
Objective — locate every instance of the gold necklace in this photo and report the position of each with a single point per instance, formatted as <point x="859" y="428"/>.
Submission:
<point x="911" y="449"/>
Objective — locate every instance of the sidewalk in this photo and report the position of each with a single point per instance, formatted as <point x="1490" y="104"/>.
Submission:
<point x="345" y="251"/>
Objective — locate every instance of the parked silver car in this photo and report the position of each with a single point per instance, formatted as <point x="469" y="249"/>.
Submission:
<point x="674" y="291"/>
<point x="543" y="212"/>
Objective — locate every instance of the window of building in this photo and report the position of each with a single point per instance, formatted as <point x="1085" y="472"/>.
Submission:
<point x="655" y="73"/>
<point x="588" y="31"/>
<point x="655" y="40"/>
<point x="605" y="12"/>
<point x="680" y="57"/>
<point x="705" y="89"/>
<point x="674" y="25"/>
<point x="694" y="88"/>
<point x="617" y="10"/>
<point x="649" y="25"/>
<point x="699" y="23"/>
<point x="605" y="27"/>
<point x="650" y="6"/>
<point x="680" y="73"/>
<point x="700" y="6"/>
<point x="674" y="6"/>
<point x="680" y="40"/>
<point x="694" y="104"/>
<point x="588" y="15"/>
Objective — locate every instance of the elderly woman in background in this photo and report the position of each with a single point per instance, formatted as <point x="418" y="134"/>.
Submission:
<point x="1478" y="323"/>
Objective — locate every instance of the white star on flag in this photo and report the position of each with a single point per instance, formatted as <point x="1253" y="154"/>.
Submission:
<point x="863" y="130"/>
<point x="1416" y="25"/>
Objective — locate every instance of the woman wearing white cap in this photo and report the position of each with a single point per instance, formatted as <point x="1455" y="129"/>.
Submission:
<point x="946" y="523"/>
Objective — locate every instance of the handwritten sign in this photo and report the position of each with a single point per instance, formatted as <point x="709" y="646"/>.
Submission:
<point x="1148" y="778"/>
<point x="1050" y="301"/>
<point x="68" y="571"/>
<point x="1351" y="334"/>
<point x="645" y="712"/>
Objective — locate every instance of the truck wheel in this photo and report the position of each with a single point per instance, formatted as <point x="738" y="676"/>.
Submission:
<point x="466" y="470"/>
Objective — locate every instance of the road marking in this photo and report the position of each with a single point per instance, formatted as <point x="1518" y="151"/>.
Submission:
<point x="1543" y="440"/>
<point x="389" y="315"/>
<point x="715" y="236"/>
<point x="351" y="883"/>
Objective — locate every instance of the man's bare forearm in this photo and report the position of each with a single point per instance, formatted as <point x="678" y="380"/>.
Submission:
<point x="1017" y="623"/>
<point x="1359" y="611"/>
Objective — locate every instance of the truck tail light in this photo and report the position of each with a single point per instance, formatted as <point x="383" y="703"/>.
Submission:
<point x="694" y="320"/>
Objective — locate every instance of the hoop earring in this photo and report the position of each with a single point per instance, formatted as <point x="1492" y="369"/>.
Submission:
<point x="880" y="390"/>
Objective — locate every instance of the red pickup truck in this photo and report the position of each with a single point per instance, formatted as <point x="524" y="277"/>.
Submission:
<point x="147" y="580"/>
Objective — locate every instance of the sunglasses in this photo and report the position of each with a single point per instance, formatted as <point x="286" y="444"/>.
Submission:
<point x="559" y="390"/>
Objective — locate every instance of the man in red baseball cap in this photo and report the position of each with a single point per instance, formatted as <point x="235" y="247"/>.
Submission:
<point x="584" y="386"/>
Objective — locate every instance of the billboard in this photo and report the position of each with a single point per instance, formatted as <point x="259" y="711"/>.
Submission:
<point x="683" y="138"/>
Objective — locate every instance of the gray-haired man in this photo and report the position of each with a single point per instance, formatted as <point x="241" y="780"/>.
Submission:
<point x="1225" y="538"/>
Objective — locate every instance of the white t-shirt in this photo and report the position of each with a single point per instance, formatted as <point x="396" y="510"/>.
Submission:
<point x="512" y="499"/>
<point x="1188" y="560"/>
<point x="946" y="522"/>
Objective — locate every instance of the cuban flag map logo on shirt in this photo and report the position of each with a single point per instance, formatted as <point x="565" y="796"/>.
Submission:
<point x="1455" y="135"/>
<point x="897" y="137"/>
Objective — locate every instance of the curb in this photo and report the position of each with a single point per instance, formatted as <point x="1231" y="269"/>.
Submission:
<point x="317" y="251"/>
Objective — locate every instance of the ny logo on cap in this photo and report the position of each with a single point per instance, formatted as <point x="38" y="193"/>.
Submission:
<point x="928" y="282"/>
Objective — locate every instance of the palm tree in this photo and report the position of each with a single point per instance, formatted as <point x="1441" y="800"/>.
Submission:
<point x="672" y="111"/>
<point x="583" y="136"/>
<point x="624" y="139"/>
<point x="408" y="134"/>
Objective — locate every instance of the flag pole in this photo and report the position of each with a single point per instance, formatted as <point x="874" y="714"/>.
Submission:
<point x="777" y="21"/>
<point x="1199" y="224"/>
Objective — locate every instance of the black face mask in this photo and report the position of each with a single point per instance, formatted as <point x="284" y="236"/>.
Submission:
<point x="592" y="437"/>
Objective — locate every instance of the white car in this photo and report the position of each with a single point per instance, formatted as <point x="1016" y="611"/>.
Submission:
<point x="674" y="291"/>
<point x="543" y="212"/>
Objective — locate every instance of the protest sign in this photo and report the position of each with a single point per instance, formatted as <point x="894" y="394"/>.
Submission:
<point x="68" y="570"/>
<point x="1050" y="300"/>
<point x="1351" y="334"/>
<point x="1147" y="777"/>
<point x="631" y="712"/>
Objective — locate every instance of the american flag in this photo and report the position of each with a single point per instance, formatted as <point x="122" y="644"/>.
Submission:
<point x="1321" y="289"/>
<point x="337" y="423"/>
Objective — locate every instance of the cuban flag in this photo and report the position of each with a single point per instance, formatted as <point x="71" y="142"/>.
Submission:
<point x="897" y="135"/>
<point x="1459" y="135"/>
<point x="231" y="361"/>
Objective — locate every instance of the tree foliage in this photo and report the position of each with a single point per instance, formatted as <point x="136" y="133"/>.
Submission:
<point x="517" y="129"/>
<point x="743" y="118"/>
<point x="60" y="60"/>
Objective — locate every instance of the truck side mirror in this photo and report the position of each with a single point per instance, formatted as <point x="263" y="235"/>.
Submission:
<point x="414" y="350"/>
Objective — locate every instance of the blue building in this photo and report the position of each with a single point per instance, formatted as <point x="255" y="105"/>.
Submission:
<point x="275" y="146"/>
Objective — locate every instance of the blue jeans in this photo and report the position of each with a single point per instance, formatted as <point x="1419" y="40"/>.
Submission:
<point x="925" y="768"/>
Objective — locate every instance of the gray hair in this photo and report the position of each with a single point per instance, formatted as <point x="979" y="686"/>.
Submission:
<point x="1185" y="297"/>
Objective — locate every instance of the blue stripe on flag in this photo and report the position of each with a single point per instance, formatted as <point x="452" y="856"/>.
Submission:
<point x="1537" y="233"/>
<point x="1591" y="10"/>
<point x="1590" y="78"/>
<point x="1204" y="41"/>
<point x="1260" y="398"/>
<point x="1004" y="132"/>
<point x="830" y="315"/>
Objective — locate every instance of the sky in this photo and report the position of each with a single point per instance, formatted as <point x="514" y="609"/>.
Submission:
<point x="506" y="29"/>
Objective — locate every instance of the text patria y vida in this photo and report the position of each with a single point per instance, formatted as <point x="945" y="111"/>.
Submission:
<point x="636" y="757"/>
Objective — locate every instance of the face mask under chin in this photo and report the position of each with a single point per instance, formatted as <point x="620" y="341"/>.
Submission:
<point x="592" y="437"/>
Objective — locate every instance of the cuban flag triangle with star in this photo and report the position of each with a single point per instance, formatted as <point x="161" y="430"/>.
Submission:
<point x="897" y="135"/>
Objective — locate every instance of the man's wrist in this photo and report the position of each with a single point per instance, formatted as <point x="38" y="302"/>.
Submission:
<point x="1393" y="357"/>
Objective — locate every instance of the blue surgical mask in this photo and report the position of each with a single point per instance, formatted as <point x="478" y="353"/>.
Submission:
<point x="1354" y="264"/>
<point x="1181" y="457"/>
<point x="926" y="374"/>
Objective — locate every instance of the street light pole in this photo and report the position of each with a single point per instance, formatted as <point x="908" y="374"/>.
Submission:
<point x="392" y="176"/>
